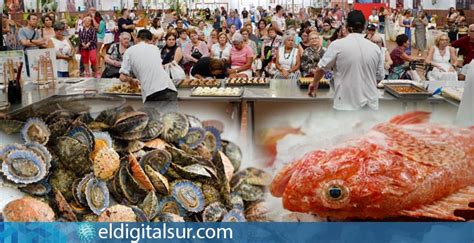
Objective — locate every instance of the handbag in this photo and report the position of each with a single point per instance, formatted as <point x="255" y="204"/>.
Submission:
<point x="112" y="71"/>
<point x="175" y="71"/>
<point x="196" y="54"/>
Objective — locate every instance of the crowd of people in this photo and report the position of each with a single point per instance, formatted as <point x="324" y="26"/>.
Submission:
<point x="257" y="43"/>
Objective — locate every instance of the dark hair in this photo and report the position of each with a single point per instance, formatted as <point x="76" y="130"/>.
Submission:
<point x="145" y="35"/>
<point x="461" y="12"/>
<point x="356" y="21"/>
<point x="401" y="39"/>
<point x="278" y="8"/>
<point x="98" y="16"/>
<point x="30" y="16"/>
<point x="169" y="34"/>
<point x="123" y="11"/>
<point x="217" y="64"/>
<point x="46" y="16"/>
<point x="59" y="26"/>
<point x="259" y="22"/>
<point x="180" y="31"/>
<point x="155" y="22"/>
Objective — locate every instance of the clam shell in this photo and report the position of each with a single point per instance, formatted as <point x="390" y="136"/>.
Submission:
<point x="159" y="160"/>
<point x="193" y="138"/>
<point x="159" y="181"/>
<point x="141" y="216"/>
<point x="156" y="144"/>
<point x="175" y="126"/>
<point x="134" y="146"/>
<point x="127" y="136"/>
<point x="97" y="195"/>
<point x="153" y="129"/>
<point x="214" y="212"/>
<point x="234" y="215"/>
<point x="188" y="195"/>
<point x="81" y="189"/>
<point x="24" y="167"/>
<point x="41" y="188"/>
<point x="130" y="188"/>
<point x="130" y="122"/>
<point x="35" y="130"/>
<point x="195" y="171"/>
<point x="149" y="205"/>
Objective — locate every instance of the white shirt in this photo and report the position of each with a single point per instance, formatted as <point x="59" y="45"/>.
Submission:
<point x="357" y="65"/>
<point x="280" y="22"/>
<point x="144" y="61"/>
<point x="217" y="51"/>
<point x="157" y="32"/>
<point x="62" y="47"/>
<point x="374" y="19"/>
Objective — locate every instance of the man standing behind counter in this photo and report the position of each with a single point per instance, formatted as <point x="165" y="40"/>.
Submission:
<point x="144" y="61"/>
<point x="357" y="66"/>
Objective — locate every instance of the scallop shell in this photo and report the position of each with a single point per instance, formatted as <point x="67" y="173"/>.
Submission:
<point x="214" y="212"/>
<point x="28" y="209"/>
<point x="159" y="160"/>
<point x="118" y="213"/>
<point x="175" y="126"/>
<point x="234" y="215"/>
<point x="159" y="181"/>
<point x="188" y="195"/>
<point x="97" y="195"/>
<point x="24" y="167"/>
<point x="149" y="205"/>
<point x="193" y="138"/>
<point x="170" y="205"/>
<point x="152" y="130"/>
<point x="35" y="130"/>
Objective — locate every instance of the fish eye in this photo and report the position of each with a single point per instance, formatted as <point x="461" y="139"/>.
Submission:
<point x="335" y="193"/>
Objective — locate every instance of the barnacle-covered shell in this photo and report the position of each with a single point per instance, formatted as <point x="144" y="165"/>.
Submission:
<point x="257" y="177"/>
<point x="40" y="188"/>
<point x="11" y="126"/>
<point x="169" y="218"/>
<point x="175" y="126"/>
<point x="117" y="213"/>
<point x="35" y="130"/>
<point x="24" y="167"/>
<point x="211" y="194"/>
<point x="159" y="181"/>
<point x="130" y="122"/>
<point x="234" y="215"/>
<point x="106" y="163"/>
<point x="152" y="130"/>
<point x="188" y="195"/>
<point x="212" y="140"/>
<point x="233" y="152"/>
<point x="170" y="205"/>
<point x="257" y="212"/>
<point x="97" y="195"/>
<point x="28" y="209"/>
<point x="149" y="206"/>
<point x="139" y="175"/>
<point x="62" y="180"/>
<point x="249" y="192"/>
<point x="193" y="138"/>
<point x="159" y="160"/>
<point x="214" y="212"/>
<point x="73" y="155"/>
<point x="83" y="134"/>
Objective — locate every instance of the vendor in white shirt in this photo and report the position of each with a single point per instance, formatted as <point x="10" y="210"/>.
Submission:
<point x="357" y="66"/>
<point x="144" y="61"/>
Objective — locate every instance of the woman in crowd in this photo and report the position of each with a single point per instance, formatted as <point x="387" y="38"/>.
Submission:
<point x="400" y="57"/>
<point x="461" y="17"/>
<point x="385" y="54"/>
<point x="374" y="18"/>
<point x="232" y="31"/>
<point x="443" y="59"/>
<point x="183" y="39"/>
<point x="208" y="67"/>
<point x="288" y="59"/>
<point x="270" y="47"/>
<point x="406" y="22"/>
<point x="451" y="21"/>
<point x="224" y="27"/>
<point x="213" y="39"/>
<point x="47" y="31"/>
<point x="304" y="40"/>
<point x="194" y="50"/>
<point x="202" y="29"/>
<point x="171" y="51"/>
<point x="221" y="50"/>
<point x="311" y="55"/>
<point x="113" y="58"/>
<point x="63" y="48"/>
<point x="87" y="47"/>
<point x="262" y="32"/>
<point x="382" y="18"/>
<point x="327" y="32"/>
<point x="10" y="30"/>
<point x="420" y="23"/>
<point x="100" y="35"/>
<point x="247" y="41"/>
<point x="241" y="58"/>
<point x="156" y="30"/>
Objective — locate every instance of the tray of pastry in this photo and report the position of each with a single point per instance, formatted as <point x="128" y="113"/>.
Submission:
<point x="217" y="92"/>
<point x="304" y="83"/>
<point x="247" y="81"/>
<point x="124" y="89"/>
<point x="407" y="91"/>
<point x="193" y="83"/>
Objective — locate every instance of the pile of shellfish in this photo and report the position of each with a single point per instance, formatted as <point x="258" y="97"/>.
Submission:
<point x="128" y="165"/>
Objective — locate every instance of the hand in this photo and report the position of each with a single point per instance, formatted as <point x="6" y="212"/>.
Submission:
<point x="387" y="66"/>
<point x="134" y="83"/>
<point x="285" y="73"/>
<point x="312" y="90"/>
<point x="451" y="69"/>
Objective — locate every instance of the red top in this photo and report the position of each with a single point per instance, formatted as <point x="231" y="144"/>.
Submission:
<point x="396" y="56"/>
<point x="466" y="48"/>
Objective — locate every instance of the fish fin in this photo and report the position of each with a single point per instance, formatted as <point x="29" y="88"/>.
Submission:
<point x="444" y="208"/>
<point x="415" y="117"/>
<point x="420" y="150"/>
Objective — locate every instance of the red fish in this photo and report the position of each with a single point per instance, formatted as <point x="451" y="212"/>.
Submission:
<point x="271" y="137"/>
<point x="406" y="167"/>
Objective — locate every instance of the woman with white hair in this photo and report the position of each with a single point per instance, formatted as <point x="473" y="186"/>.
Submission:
<point x="113" y="57"/>
<point x="288" y="59"/>
<point x="241" y="58"/>
<point x="443" y="59"/>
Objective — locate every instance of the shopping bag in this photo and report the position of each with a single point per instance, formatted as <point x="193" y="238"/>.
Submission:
<point x="176" y="71"/>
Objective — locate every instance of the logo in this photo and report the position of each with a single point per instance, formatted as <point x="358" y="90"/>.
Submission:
<point x="86" y="232"/>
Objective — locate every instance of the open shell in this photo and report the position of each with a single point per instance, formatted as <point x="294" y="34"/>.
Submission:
<point x="170" y="205"/>
<point x="159" y="160"/>
<point x="35" y="130"/>
<point x="159" y="181"/>
<point x="139" y="175"/>
<point x="188" y="195"/>
<point x="97" y="195"/>
<point x="24" y="167"/>
<point x="234" y="215"/>
<point x="149" y="205"/>
<point x="83" y="134"/>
